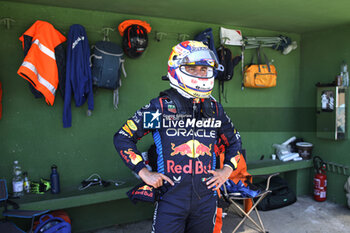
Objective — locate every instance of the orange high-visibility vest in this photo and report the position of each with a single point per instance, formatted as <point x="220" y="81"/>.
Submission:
<point x="39" y="66"/>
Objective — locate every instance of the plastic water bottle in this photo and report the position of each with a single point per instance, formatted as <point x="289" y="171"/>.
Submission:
<point x="17" y="181"/>
<point x="55" y="180"/>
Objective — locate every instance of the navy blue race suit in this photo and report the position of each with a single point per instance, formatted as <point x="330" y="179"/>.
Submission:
<point x="185" y="148"/>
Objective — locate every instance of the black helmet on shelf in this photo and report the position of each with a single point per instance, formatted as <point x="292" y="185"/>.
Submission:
<point x="135" y="40"/>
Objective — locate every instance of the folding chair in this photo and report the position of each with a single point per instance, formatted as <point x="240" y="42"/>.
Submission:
<point x="233" y="199"/>
<point x="10" y="227"/>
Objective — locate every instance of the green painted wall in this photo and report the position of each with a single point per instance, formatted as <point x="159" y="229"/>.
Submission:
<point x="321" y="56"/>
<point x="32" y="132"/>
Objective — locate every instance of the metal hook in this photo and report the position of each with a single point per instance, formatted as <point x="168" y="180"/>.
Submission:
<point x="7" y="22"/>
<point x="183" y="37"/>
<point x="160" y="36"/>
<point x="106" y="33"/>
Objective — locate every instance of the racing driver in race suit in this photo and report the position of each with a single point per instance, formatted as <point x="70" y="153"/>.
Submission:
<point x="185" y="122"/>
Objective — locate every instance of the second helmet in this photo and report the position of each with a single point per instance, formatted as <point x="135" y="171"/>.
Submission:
<point x="135" y="40"/>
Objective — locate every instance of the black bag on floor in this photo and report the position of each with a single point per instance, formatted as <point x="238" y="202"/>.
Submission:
<point x="282" y="195"/>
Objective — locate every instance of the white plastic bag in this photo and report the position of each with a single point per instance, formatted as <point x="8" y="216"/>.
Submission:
<point x="230" y="36"/>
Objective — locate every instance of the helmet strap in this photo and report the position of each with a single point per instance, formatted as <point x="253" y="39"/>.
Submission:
<point x="182" y="92"/>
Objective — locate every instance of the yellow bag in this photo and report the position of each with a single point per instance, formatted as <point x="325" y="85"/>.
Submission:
<point x="260" y="76"/>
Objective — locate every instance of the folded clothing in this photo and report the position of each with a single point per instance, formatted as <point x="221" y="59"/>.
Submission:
<point x="240" y="190"/>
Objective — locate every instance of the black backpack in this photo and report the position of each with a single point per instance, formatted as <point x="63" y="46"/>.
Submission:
<point x="282" y="195"/>
<point x="226" y="59"/>
<point x="107" y="63"/>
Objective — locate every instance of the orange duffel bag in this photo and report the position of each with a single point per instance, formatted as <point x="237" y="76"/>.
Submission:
<point x="260" y="75"/>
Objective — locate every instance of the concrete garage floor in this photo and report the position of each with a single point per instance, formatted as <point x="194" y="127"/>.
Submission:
<point x="304" y="216"/>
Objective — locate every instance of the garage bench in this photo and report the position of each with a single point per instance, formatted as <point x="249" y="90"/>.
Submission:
<point x="92" y="208"/>
<point x="294" y="171"/>
<point x="72" y="197"/>
<point x="79" y="203"/>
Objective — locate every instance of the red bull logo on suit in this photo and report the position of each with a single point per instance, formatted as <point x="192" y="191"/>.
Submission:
<point x="192" y="149"/>
<point x="199" y="168"/>
<point x="135" y="158"/>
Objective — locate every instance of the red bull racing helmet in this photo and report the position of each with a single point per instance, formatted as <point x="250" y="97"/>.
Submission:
<point x="184" y="73"/>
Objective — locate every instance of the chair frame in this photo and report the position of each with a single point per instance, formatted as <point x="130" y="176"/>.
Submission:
<point x="17" y="213"/>
<point x="245" y="215"/>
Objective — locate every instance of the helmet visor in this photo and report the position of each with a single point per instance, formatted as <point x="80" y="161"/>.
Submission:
<point x="198" y="71"/>
<point x="200" y="58"/>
